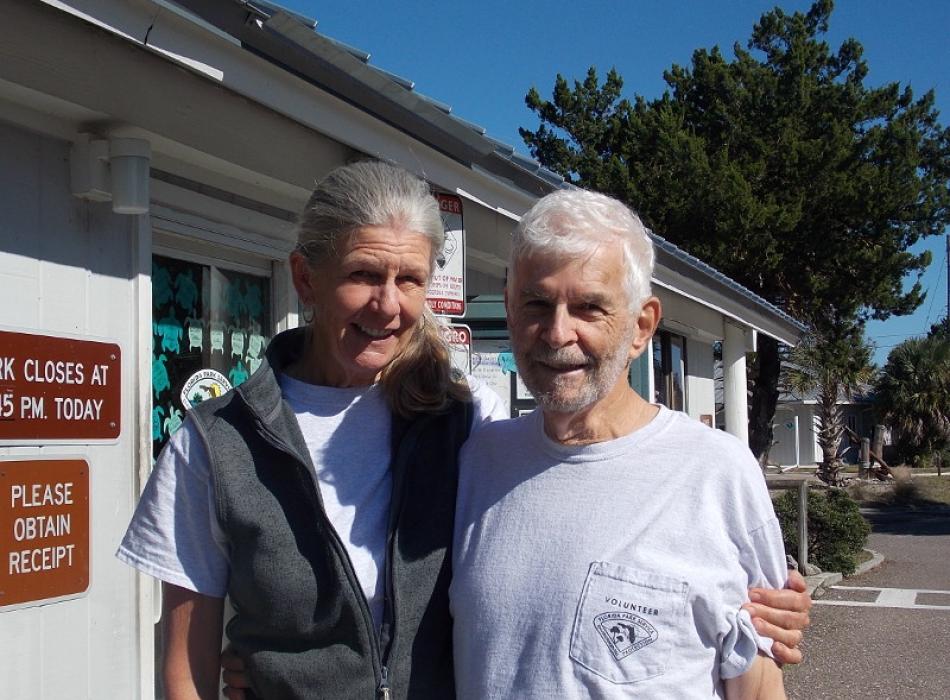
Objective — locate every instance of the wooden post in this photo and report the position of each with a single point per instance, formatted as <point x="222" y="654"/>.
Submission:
<point x="865" y="458"/>
<point x="877" y="445"/>
<point x="802" y="526"/>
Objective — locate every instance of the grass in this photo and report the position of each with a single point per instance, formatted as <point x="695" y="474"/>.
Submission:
<point x="908" y="490"/>
<point x="936" y="488"/>
<point x="862" y="556"/>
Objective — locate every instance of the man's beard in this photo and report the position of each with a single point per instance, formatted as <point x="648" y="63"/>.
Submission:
<point x="556" y="393"/>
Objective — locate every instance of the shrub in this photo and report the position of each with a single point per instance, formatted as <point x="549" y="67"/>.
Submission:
<point x="836" y="529"/>
<point x="905" y="489"/>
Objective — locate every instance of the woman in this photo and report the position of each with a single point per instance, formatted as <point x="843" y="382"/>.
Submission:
<point x="319" y="495"/>
<point x="339" y="588"/>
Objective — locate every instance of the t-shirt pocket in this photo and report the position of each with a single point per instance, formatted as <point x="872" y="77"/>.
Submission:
<point x="626" y="621"/>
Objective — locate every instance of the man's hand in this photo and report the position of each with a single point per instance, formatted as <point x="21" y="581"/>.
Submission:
<point x="782" y="615"/>
<point x="234" y="675"/>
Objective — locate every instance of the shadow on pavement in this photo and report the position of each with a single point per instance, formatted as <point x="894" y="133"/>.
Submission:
<point x="909" y="521"/>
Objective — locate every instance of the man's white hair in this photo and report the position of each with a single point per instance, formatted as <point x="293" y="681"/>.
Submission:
<point x="574" y="222"/>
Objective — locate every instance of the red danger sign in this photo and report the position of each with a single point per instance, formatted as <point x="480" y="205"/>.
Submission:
<point x="447" y="307"/>
<point x="450" y="204"/>
<point x="459" y="340"/>
<point x="446" y="295"/>
<point x="58" y="388"/>
<point x="457" y="335"/>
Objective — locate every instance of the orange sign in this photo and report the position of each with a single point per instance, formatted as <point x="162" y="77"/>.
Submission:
<point x="44" y="529"/>
<point x="58" y="388"/>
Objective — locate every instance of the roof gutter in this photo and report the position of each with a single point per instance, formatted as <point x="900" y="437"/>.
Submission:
<point x="677" y="270"/>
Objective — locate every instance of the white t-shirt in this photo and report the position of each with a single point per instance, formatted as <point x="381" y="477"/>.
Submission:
<point x="609" y="570"/>
<point x="175" y="534"/>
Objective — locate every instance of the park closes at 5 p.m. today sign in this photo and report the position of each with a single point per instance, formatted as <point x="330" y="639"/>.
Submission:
<point x="58" y="389"/>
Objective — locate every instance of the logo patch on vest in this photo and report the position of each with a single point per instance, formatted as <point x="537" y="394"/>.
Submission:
<point x="624" y="632"/>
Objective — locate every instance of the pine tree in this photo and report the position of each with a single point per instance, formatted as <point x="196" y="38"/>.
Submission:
<point x="778" y="166"/>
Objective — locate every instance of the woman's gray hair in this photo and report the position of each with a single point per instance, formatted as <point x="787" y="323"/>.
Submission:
<point x="372" y="193"/>
<point x="367" y="193"/>
<point x="574" y="222"/>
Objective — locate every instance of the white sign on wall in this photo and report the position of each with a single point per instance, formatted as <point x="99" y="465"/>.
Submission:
<point x="447" y="287"/>
<point x="493" y="364"/>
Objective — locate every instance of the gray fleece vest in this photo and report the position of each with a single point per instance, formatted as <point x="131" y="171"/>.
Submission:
<point x="302" y="623"/>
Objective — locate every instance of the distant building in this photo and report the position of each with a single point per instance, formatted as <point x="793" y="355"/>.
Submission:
<point x="797" y="416"/>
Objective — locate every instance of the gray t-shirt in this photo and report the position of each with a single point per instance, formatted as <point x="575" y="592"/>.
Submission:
<point x="175" y="535"/>
<point x="610" y="570"/>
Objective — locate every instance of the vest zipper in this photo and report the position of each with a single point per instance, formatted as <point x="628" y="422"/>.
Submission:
<point x="384" y="692"/>
<point x="388" y="629"/>
<point x="380" y="656"/>
<point x="310" y="488"/>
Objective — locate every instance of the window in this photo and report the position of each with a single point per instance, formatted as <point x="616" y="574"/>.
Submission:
<point x="669" y="370"/>
<point x="210" y="328"/>
<point x="640" y="375"/>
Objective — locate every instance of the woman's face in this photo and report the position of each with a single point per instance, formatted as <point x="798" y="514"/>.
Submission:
<point x="367" y="302"/>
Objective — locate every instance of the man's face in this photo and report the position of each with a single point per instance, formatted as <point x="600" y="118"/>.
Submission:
<point x="572" y="330"/>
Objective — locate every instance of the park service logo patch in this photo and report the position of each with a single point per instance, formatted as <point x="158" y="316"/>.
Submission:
<point x="203" y="385"/>
<point x="624" y="632"/>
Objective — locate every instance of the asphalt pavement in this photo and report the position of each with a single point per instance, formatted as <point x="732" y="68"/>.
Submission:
<point x="886" y="633"/>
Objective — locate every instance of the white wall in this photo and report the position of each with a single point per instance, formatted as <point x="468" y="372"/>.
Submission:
<point x="67" y="267"/>
<point x="783" y="451"/>
<point x="700" y="388"/>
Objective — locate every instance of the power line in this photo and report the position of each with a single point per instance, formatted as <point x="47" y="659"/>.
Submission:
<point x="936" y="284"/>
<point x="892" y="345"/>
<point x="944" y="267"/>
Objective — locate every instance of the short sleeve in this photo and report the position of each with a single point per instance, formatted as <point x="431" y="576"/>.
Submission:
<point x="174" y="534"/>
<point x="488" y="405"/>
<point x="763" y="558"/>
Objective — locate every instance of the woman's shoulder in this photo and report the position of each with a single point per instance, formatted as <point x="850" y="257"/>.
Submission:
<point x="488" y="406"/>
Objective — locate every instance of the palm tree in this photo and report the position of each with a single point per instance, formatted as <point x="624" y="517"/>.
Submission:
<point x="835" y="362"/>
<point x="913" y="395"/>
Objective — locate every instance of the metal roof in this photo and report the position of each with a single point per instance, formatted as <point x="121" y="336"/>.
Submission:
<point x="291" y="40"/>
<point x="661" y="245"/>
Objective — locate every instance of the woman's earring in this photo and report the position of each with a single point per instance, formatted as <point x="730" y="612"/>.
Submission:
<point x="307" y="314"/>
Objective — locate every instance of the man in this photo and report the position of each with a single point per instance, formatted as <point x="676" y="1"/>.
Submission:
<point x="604" y="545"/>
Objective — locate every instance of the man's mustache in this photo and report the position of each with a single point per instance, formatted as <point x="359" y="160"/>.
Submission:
<point x="562" y="358"/>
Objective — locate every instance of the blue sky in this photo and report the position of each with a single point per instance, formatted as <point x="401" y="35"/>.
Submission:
<point x="482" y="57"/>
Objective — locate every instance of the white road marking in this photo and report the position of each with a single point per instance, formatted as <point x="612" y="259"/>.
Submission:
<point x="896" y="598"/>
<point x="888" y="598"/>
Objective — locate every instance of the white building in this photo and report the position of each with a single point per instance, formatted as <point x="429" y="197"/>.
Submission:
<point x="153" y="155"/>
<point x="796" y="425"/>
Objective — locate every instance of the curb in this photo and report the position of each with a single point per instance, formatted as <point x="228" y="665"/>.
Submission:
<point x="876" y="560"/>
<point x="819" y="583"/>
